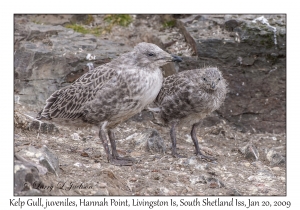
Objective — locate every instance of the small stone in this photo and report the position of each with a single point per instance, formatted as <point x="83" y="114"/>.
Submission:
<point x="171" y="179"/>
<point x="133" y="179"/>
<point x="96" y="165"/>
<point x="231" y="180"/>
<point x="252" y="189"/>
<point x="188" y="189"/>
<point x="154" y="142"/>
<point x="282" y="179"/>
<point x="188" y="138"/>
<point x="49" y="160"/>
<point x="201" y="167"/>
<point x="275" y="158"/>
<point x="84" y="154"/>
<point x="276" y="169"/>
<point x="115" y="191"/>
<point x="96" y="154"/>
<point x="251" y="178"/>
<point x="172" y="192"/>
<point x="148" y="140"/>
<point x="102" y="191"/>
<point x="197" y="179"/>
<point x="78" y="164"/>
<point x="33" y="192"/>
<point x="102" y="185"/>
<point x="258" y="164"/>
<point x="90" y="57"/>
<point x="88" y="152"/>
<point x="192" y="161"/>
<point x="241" y="175"/>
<point x="247" y="164"/>
<point x="136" y="154"/>
<point x="184" y="191"/>
<point x="214" y="183"/>
<point x="75" y="136"/>
<point x="249" y="151"/>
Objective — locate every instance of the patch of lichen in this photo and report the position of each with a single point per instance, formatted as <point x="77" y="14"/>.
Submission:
<point x="267" y="40"/>
<point x="261" y="34"/>
<point x="97" y="31"/>
<point x="169" y="24"/>
<point x="37" y="22"/>
<point x="111" y="20"/>
<point x="118" y="19"/>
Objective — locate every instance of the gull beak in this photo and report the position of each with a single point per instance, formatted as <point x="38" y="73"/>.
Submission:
<point x="213" y="85"/>
<point x="176" y="58"/>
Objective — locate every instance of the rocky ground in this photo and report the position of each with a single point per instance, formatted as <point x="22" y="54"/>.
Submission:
<point x="247" y="164"/>
<point x="69" y="159"/>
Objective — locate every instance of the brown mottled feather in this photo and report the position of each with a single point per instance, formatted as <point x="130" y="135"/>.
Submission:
<point x="186" y="98"/>
<point x="67" y="102"/>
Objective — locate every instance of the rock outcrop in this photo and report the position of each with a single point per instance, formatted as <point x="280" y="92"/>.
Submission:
<point x="250" y="50"/>
<point x="50" y="57"/>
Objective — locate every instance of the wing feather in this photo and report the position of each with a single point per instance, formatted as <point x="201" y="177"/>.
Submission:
<point x="176" y="96"/>
<point x="69" y="101"/>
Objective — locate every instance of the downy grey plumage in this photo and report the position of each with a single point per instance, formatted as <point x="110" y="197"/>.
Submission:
<point x="188" y="97"/>
<point x="112" y="93"/>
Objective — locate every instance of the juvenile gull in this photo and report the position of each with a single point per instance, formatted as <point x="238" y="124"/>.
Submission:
<point x="187" y="97"/>
<point x="112" y="93"/>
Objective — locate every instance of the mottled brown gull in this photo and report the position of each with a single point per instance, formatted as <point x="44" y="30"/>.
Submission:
<point x="112" y="93"/>
<point x="188" y="97"/>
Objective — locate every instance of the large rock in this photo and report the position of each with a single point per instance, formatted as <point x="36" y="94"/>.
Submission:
<point x="50" y="57"/>
<point x="250" y="50"/>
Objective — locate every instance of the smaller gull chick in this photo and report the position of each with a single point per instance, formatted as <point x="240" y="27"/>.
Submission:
<point x="112" y="93"/>
<point x="187" y="97"/>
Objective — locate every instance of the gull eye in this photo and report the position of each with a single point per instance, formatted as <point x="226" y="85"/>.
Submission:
<point x="204" y="78"/>
<point x="151" y="54"/>
<point x="219" y="79"/>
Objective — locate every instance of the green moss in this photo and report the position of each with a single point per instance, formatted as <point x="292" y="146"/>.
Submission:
<point x="77" y="28"/>
<point x="169" y="24"/>
<point x="122" y="20"/>
<point x="36" y="22"/>
<point x="82" y="29"/>
<point x="89" y="20"/>
<point x="261" y="35"/>
<point x="267" y="40"/>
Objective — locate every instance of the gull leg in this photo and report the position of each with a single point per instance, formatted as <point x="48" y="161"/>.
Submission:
<point x="173" y="139"/>
<point x="196" y="144"/>
<point x="102" y="136"/>
<point x="122" y="160"/>
<point x="111" y="137"/>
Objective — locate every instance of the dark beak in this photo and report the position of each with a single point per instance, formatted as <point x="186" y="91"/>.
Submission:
<point x="176" y="58"/>
<point x="213" y="85"/>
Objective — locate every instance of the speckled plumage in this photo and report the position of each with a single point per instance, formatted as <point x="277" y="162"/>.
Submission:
<point x="113" y="92"/>
<point x="189" y="96"/>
